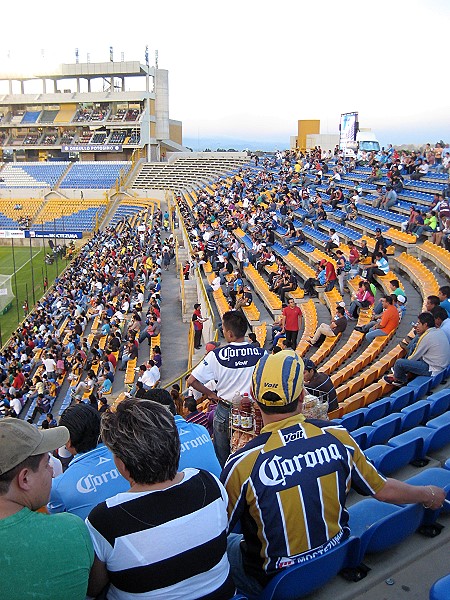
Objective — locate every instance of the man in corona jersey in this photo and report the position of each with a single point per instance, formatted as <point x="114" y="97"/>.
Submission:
<point x="288" y="486"/>
<point x="231" y="366"/>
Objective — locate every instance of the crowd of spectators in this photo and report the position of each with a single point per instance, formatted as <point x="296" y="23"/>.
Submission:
<point x="105" y="283"/>
<point x="152" y="461"/>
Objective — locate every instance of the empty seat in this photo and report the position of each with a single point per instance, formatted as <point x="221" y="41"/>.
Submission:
<point x="415" y="414"/>
<point x="440" y="590"/>
<point x="377" y="410"/>
<point x="353" y="420"/>
<point x="433" y="438"/>
<point x="388" y="459"/>
<point x="421" y="386"/>
<point x="401" y="398"/>
<point x="382" y="429"/>
<point x="381" y="526"/>
<point x="439" y="403"/>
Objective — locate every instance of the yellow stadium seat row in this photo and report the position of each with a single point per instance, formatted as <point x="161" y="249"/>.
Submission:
<point x="362" y="361"/>
<point x="439" y="256"/>
<point x="310" y="325"/>
<point x="325" y="348"/>
<point x="419" y="274"/>
<point x="271" y="300"/>
<point x="29" y="208"/>
<point x="261" y="332"/>
<point x="251" y="313"/>
<point x="374" y="372"/>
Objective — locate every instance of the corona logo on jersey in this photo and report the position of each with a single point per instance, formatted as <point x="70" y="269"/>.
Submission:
<point x="276" y="470"/>
<point x="238" y="356"/>
<point x="90" y="483"/>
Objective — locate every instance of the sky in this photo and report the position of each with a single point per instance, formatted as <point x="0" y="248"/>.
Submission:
<point x="248" y="70"/>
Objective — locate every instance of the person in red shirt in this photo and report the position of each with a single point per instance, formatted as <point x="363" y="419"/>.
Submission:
<point x="198" y="321"/>
<point x="291" y="320"/>
<point x="330" y="274"/>
<point x="19" y="380"/>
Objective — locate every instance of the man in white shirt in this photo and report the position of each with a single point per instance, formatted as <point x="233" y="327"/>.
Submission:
<point x="146" y="377"/>
<point x="154" y="371"/>
<point x="333" y="242"/>
<point x="50" y="366"/>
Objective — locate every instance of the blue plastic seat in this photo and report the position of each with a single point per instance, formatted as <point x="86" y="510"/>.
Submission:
<point x="432" y="438"/>
<point x="440" y="421"/>
<point x="421" y="386"/>
<point x="388" y="459"/>
<point x="353" y="420"/>
<point x="381" y="526"/>
<point x="415" y="414"/>
<point x="383" y="429"/>
<point x="440" y="590"/>
<point x="439" y="403"/>
<point x="360" y="437"/>
<point x="302" y="579"/>
<point x="377" y="410"/>
<point x="401" y="398"/>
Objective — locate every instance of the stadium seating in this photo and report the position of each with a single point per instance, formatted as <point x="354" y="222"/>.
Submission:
<point x="32" y="175"/>
<point x="97" y="175"/>
<point x="380" y="526"/>
<point x="80" y="215"/>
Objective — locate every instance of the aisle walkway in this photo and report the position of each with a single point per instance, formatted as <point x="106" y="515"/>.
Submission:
<point x="174" y="333"/>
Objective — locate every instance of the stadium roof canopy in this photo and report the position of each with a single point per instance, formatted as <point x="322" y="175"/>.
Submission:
<point x="85" y="70"/>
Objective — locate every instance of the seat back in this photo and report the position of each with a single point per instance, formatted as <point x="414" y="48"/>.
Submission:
<point x="421" y="386"/>
<point x="353" y="420"/>
<point x="384" y="429"/>
<point x="415" y="414"/>
<point x="439" y="438"/>
<point x="401" y="398"/>
<point x="298" y="580"/>
<point x="381" y="526"/>
<point x="439" y="403"/>
<point x="399" y="456"/>
<point x="377" y="410"/>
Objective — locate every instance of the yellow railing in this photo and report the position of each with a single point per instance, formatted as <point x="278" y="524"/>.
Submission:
<point x="190" y="346"/>
<point x="183" y="293"/>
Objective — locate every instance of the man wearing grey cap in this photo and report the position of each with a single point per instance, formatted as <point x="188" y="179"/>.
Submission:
<point x="28" y="539"/>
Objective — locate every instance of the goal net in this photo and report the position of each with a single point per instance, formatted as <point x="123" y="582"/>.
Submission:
<point x="6" y="293"/>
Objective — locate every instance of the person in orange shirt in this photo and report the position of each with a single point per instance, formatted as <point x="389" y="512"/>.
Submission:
<point x="389" y="321"/>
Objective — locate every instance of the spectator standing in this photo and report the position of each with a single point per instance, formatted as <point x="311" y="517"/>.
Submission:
<point x="330" y="274"/>
<point x="198" y="321"/>
<point x="291" y="321"/>
<point x="231" y="366"/>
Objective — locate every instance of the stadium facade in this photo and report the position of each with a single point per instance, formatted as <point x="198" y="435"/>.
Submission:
<point x="68" y="120"/>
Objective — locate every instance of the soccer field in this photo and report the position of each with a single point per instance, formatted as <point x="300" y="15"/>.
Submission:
<point x="27" y="281"/>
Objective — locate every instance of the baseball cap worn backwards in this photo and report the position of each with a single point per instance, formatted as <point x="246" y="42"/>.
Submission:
<point x="20" y="440"/>
<point x="278" y="379"/>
